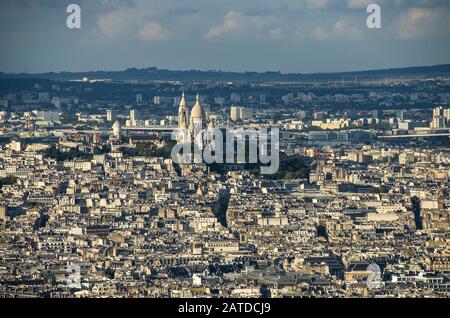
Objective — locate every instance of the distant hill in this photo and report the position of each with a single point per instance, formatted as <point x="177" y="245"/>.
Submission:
<point x="153" y="73"/>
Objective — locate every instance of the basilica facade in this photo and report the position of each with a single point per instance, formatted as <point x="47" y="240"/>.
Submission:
<point x="194" y="121"/>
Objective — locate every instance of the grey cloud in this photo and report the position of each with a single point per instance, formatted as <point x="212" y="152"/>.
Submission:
<point x="290" y="35"/>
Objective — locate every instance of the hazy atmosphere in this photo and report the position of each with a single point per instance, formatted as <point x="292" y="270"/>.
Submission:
<point x="254" y="35"/>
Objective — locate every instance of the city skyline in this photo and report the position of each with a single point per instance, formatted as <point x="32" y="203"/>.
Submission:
<point x="221" y="154"/>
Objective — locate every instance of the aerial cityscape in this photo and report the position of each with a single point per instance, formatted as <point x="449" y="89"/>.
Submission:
<point x="161" y="183"/>
<point x="90" y="183"/>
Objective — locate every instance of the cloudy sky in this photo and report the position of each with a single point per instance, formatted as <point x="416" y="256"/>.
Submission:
<point x="239" y="35"/>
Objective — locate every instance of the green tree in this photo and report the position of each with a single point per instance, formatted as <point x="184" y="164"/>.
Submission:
<point x="7" y="181"/>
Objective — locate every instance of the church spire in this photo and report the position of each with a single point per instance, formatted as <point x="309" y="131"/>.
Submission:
<point x="183" y="113"/>
<point x="183" y="103"/>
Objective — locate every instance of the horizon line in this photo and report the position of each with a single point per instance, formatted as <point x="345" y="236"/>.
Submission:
<point x="387" y="68"/>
